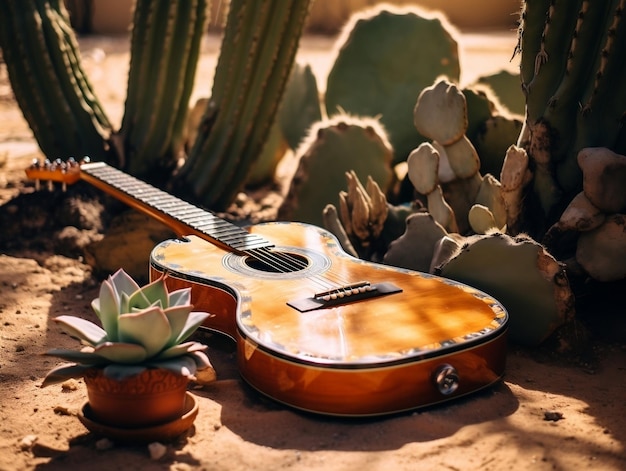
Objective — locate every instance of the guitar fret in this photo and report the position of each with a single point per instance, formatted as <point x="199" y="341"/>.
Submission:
<point x="191" y="216"/>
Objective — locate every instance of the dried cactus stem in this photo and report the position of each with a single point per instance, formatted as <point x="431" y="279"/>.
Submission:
<point x="43" y="63"/>
<point x="258" y="53"/>
<point x="165" y="48"/>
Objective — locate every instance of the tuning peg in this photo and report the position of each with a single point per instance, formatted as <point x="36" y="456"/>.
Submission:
<point x="35" y="164"/>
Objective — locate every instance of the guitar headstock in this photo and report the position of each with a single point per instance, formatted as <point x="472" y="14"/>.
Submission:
<point x="65" y="172"/>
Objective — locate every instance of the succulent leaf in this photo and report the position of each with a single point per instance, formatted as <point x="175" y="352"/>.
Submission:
<point x="179" y="350"/>
<point x="86" y="358"/>
<point x="181" y="297"/>
<point x="121" y="352"/>
<point x="201" y="359"/>
<point x="184" y="366"/>
<point x="153" y="294"/>
<point x="63" y="373"/>
<point x="149" y="328"/>
<point x="123" y="283"/>
<point x="107" y="308"/>
<point x="183" y="322"/>
<point x="138" y="301"/>
<point x="82" y="329"/>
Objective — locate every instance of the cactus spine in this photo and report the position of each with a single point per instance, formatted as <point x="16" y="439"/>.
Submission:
<point x="43" y="63"/>
<point x="256" y="58"/>
<point x="165" y="48"/>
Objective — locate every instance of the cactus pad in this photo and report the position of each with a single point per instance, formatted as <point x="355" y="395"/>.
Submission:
<point x="335" y="147"/>
<point x="510" y="269"/>
<point x="384" y="60"/>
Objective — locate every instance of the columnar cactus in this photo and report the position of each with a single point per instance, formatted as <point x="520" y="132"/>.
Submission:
<point x="49" y="83"/>
<point x="572" y="62"/>
<point x="257" y="55"/>
<point x="165" y="47"/>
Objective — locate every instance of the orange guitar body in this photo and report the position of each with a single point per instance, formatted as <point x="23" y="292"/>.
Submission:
<point x="431" y="341"/>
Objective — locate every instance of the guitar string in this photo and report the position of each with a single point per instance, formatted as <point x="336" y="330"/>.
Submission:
<point x="281" y="262"/>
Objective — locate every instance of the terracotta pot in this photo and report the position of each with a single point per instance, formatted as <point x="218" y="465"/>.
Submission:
<point x="154" y="397"/>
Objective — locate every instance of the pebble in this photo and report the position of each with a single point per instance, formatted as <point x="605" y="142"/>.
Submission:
<point x="27" y="442"/>
<point x="553" y="416"/>
<point x="104" y="444"/>
<point x="157" y="450"/>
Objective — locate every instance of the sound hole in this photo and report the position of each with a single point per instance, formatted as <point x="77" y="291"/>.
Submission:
<point x="278" y="262"/>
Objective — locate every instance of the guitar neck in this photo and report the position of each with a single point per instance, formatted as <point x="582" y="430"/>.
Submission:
<point x="182" y="217"/>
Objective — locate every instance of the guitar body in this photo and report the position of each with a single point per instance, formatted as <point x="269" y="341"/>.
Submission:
<point x="414" y="340"/>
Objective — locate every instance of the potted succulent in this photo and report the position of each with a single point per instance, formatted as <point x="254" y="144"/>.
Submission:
<point x="137" y="366"/>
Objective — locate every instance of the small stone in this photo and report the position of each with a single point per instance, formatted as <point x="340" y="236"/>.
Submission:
<point x="69" y="385"/>
<point x="62" y="410"/>
<point x="104" y="444"/>
<point x="553" y="416"/>
<point x="27" y="442"/>
<point x="157" y="450"/>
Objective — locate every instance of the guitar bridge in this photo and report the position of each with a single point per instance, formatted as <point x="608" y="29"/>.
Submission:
<point x="344" y="295"/>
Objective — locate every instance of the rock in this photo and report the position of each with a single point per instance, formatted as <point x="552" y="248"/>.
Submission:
<point x="604" y="178"/>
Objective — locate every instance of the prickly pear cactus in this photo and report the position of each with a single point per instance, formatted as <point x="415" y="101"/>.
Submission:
<point x="572" y="65"/>
<point x="529" y="282"/>
<point x="493" y="139"/>
<point x="507" y="88"/>
<point x="300" y="105"/>
<point x="447" y="171"/>
<point x="44" y="66"/>
<point x="415" y="248"/>
<point x="385" y="58"/>
<point x="335" y="147"/>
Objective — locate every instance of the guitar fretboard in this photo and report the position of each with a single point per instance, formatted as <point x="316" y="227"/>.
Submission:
<point x="172" y="209"/>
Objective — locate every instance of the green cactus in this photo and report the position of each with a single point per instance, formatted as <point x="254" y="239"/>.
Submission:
<point x="493" y="139"/>
<point x="506" y="86"/>
<point x="415" y="248"/>
<point x="572" y="62"/>
<point x="300" y="105"/>
<point x="299" y="109"/>
<point x="257" y="55"/>
<point x="333" y="148"/>
<point x="43" y="63"/>
<point x="481" y="105"/>
<point x="528" y="281"/>
<point x="384" y="60"/>
<point x="165" y="47"/>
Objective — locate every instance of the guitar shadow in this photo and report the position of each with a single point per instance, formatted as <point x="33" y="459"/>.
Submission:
<point x="262" y="421"/>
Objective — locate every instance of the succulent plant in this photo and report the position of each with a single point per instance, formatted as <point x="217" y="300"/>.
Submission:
<point x="142" y="327"/>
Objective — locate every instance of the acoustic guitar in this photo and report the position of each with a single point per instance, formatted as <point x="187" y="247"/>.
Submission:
<point x="316" y="328"/>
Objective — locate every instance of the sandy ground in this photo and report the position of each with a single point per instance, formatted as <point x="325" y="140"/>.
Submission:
<point x="505" y="427"/>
